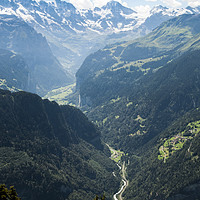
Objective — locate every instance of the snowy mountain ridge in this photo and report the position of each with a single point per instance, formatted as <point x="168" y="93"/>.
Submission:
<point x="113" y="17"/>
<point x="75" y="33"/>
<point x="66" y="16"/>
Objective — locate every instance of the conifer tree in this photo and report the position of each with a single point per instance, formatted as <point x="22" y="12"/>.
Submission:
<point x="8" y="194"/>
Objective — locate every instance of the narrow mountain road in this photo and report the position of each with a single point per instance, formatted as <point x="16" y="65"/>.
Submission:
<point x="115" y="152"/>
<point x="118" y="195"/>
<point x="124" y="180"/>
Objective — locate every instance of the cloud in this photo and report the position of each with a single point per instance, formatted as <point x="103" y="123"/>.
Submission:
<point x="82" y="3"/>
<point x="193" y="3"/>
<point x="172" y="3"/>
<point x="92" y="3"/>
<point x="100" y="3"/>
<point x="151" y="0"/>
<point x="143" y="11"/>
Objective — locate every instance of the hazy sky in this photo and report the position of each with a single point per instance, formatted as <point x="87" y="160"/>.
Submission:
<point x="138" y="4"/>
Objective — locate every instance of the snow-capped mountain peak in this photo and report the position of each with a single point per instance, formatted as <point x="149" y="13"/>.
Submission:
<point x="157" y="9"/>
<point x="62" y="23"/>
<point x="59" y="14"/>
<point x="171" y="11"/>
<point x="116" y="7"/>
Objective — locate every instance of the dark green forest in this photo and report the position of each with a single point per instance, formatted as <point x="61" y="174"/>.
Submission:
<point x="45" y="156"/>
<point x="177" y="177"/>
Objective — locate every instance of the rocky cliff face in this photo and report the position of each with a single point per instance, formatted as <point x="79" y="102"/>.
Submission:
<point x="13" y="71"/>
<point x="45" y="71"/>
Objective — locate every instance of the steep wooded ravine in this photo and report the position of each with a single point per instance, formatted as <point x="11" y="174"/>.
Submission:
<point x="45" y="156"/>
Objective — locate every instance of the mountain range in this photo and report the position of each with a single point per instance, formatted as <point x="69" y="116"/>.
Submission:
<point x="136" y="58"/>
<point x="125" y="71"/>
<point x="73" y="33"/>
<point x="141" y="94"/>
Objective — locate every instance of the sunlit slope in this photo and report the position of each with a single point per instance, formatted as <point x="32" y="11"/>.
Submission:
<point x="115" y="66"/>
<point x="139" y="97"/>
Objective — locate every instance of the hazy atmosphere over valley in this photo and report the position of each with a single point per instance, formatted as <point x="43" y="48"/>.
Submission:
<point x="100" y="100"/>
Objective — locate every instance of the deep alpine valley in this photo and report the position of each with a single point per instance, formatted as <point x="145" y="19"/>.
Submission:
<point x="100" y="102"/>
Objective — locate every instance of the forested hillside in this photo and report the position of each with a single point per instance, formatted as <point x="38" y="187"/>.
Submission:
<point x="168" y="166"/>
<point x="144" y="96"/>
<point x="132" y="97"/>
<point x="45" y="156"/>
<point x="151" y="104"/>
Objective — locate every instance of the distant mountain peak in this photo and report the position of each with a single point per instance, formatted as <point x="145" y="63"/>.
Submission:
<point x="25" y="1"/>
<point x="172" y="12"/>
<point x="58" y="19"/>
<point x="158" y="8"/>
<point x="113" y="4"/>
<point x="117" y="7"/>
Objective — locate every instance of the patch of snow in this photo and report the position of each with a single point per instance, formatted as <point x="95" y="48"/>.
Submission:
<point x="104" y="13"/>
<point x="119" y="25"/>
<point x="52" y="2"/>
<point x="37" y="1"/>
<point x="24" y="13"/>
<point x="7" y="11"/>
<point x="170" y="11"/>
<point x="74" y="29"/>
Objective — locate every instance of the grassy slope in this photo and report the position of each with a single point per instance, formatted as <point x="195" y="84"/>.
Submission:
<point x="60" y="95"/>
<point x="112" y="69"/>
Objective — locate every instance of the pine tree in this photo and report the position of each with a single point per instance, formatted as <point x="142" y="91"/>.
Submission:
<point x="102" y="198"/>
<point x="8" y="194"/>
